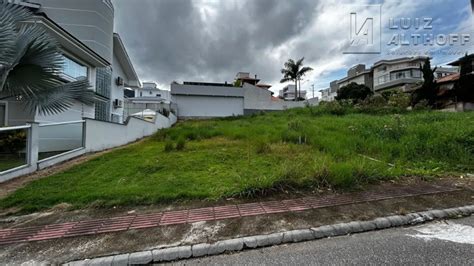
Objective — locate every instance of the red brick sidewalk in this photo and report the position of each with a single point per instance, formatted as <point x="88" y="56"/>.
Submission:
<point x="139" y="221"/>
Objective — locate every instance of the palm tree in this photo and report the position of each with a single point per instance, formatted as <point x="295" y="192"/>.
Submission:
<point x="30" y="64"/>
<point x="294" y="71"/>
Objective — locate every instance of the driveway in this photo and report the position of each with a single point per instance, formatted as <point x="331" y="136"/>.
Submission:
<point x="444" y="242"/>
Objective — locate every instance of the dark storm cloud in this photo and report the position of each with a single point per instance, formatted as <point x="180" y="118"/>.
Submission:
<point x="208" y="40"/>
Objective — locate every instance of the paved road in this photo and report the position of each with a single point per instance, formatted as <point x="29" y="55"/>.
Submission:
<point x="450" y="242"/>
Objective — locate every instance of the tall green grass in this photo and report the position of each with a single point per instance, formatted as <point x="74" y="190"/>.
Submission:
<point x="298" y="149"/>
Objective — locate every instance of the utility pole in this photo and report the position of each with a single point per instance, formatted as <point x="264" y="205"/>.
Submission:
<point x="312" y="85"/>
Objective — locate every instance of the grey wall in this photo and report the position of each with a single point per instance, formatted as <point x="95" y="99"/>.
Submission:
<point x="192" y="106"/>
<point x="91" y="21"/>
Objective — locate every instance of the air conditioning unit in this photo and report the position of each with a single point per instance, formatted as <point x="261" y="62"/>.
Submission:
<point x="119" y="81"/>
<point x="118" y="103"/>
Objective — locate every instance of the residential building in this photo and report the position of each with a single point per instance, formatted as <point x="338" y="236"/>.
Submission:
<point x="244" y="77"/>
<point x="88" y="25"/>
<point x="288" y="93"/>
<point x="329" y="94"/>
<point x="149" y="97"/>
<point x="90" y="21"/>
<point x="123" y="76"/>
<point x="151" y="90"/>
<point x="401" y="73"/>
<point x="357" y="74"/>
<point x="441" y="72"/>
<point x="80" y="62"/>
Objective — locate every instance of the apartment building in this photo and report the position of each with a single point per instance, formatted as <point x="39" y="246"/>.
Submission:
<point x="357" y="74"/>
<point x="400" y="73"/>
<point x="442" y="72"/>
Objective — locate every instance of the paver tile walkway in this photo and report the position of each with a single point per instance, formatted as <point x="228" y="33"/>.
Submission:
<point x="140" y="221"/>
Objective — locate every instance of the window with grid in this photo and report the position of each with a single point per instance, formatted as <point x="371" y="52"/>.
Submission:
<point x="104" y="81"/>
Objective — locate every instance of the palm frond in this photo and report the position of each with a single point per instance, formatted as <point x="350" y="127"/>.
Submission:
<point x="304" y="70"/>
<point x="283" y="80"/>
<point x="299" y="63"/>
<point x="10" y="15"/>
<point x="31" y="64"/>
<point x="61" y="98"/>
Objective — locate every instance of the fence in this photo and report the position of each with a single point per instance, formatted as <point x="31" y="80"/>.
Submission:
<point x="26" y="149"/>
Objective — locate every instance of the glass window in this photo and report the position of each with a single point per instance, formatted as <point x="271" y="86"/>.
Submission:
<point x="103" y="81"/>
<point x="416" y="73"/>
<point x="102" y="111"/>
<point x="74" y="70"/>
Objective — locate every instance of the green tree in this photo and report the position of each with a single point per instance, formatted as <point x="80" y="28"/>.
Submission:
<point x="463" y="88"/>
<point x="428" y="90"/>
<point x="294" y="71"/>
<point x="30" y="63"/>
<point x="353" y="91"/>
<point x="237" y="83"/>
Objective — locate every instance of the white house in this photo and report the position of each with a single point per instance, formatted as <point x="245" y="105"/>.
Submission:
<point x="80" y="62"/>
<point x="91" y="50"/>
<point x="288" y="93"/>
<point x="124" y="75"/>
<point x="400" y="73"/>
<point x="357" y="74"/>
<point x="150" y="90"/>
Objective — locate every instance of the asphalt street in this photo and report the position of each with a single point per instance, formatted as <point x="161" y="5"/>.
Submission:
<point x="443" y="242"/>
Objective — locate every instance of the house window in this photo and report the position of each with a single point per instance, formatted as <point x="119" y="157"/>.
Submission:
<point x="103" y="81"/>
<point x="73" y="69"/>
<point x="151" y="93"/>
<point x="416" y="73"/>
<point x="158" y="95"/>
<point x="141" y="94"/>
<point x="103" y="86"/>
<point x="102" y="111"/>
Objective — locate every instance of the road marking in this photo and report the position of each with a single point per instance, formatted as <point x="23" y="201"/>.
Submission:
<point x="448" y="231"/>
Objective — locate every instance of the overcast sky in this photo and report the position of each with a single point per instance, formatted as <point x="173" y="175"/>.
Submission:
<point x="212" y="40"/>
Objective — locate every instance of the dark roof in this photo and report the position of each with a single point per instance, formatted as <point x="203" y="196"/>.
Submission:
<point x="458" y="62"/>
<point x="449" y="78"/>
<point x="215" y="84"/>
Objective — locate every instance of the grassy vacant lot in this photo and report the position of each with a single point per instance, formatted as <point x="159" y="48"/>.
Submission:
<point x="297" y="149"/>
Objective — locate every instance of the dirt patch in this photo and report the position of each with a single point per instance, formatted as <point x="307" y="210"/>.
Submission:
<point x="67" y="249"/>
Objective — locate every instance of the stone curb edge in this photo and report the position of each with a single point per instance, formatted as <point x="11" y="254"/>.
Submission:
<point x="294" y="236"/>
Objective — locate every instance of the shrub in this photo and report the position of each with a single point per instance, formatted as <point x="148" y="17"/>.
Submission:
<point x="181" y="144"/>
<point x="422" y="105"/>
<point x="13" y="141"/>
<point x="399" y="99"/>
<point x="353" y="91"/>
<point x="169" y="146"/>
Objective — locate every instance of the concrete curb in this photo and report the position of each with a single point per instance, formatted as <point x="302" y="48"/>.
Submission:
<point x="294" y="236"/>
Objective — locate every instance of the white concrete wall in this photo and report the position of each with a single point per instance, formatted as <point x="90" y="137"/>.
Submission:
<point x="193" y="106"/>
<point x="102" y="135"/>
